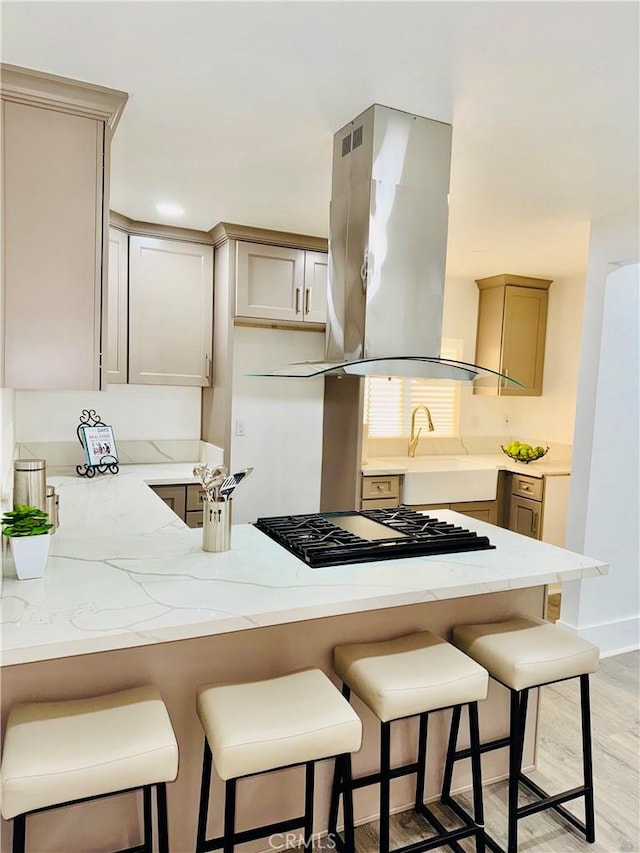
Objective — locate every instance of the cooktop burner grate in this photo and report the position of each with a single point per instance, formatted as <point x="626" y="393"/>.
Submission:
<point x="335" y="538"/>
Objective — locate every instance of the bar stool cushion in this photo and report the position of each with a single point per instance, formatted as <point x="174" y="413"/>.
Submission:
<point x="410" y="675"/>
<point x="525" y="652"/>
<point x="261" y="725"/>
<point x="56" y="752"/>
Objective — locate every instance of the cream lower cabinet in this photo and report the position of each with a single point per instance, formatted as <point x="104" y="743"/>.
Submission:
<point x="482" y="510"/>
<point x="170" y="312"/>
<point x="380" y="492"/>
<point x="185" y="500"/>
<point x="280" y="283"/>
<point x="537" y="507"/>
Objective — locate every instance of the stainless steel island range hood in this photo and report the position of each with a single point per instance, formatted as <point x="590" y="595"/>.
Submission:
<point x="387" y="250"/>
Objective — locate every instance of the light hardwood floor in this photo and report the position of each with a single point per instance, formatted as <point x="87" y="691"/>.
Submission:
<point x="616" y="748"/>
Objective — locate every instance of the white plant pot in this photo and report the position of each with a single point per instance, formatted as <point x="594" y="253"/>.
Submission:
<point x="30" y="555"/>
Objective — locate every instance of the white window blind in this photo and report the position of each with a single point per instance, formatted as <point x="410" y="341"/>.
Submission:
<point x="389" y="402"/>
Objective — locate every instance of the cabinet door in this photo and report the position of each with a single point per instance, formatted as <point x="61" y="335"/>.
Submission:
<point x="525" y="326"/>
<point x="269" y="282"/>
<point x="117" y="299"/>
<point x="170" y="312"/>
<point x="482" y="510"/>
<point x="174" y="497"/>
<point x="315" y="287"/>
<point x="524" y="517"/>
<point x="52" y="247"/>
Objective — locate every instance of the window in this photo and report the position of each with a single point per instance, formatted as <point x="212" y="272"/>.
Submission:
<point x="389" y="402"/>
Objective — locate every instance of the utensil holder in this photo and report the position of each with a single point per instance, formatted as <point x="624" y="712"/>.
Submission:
<point x="216" y="527"/>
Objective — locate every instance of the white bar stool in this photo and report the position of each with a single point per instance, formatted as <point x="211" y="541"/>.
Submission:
<point x="406" y="677"/>
<point x="260" y="726"/>
<point x="521" y="654"/>
<point x="61" y="753"/>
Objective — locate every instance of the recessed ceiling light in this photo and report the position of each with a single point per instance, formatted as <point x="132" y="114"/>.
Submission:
<point x="169" y="209"/>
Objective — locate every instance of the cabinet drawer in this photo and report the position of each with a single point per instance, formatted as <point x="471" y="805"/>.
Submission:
<point x="194" y="518"/>
<point x="527" y="487"/>
<point x="195" y="497"/>
<point x="380" y="503"/>
<point x="381" y="487"/>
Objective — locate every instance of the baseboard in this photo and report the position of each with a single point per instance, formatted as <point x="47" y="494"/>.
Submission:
<point x="612" y="638"/>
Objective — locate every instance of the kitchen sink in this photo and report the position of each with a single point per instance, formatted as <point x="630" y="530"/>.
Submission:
<point x="443" y="479"/>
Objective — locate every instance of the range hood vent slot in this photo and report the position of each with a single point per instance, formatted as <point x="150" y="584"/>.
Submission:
<point x="358" y="136"/>
<point x="346" y="145"/>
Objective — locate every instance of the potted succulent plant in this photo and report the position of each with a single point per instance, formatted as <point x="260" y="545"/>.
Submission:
<point x="28" y="530"/>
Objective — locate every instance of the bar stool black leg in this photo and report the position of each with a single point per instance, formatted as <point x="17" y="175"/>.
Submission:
<point x="347" y="800"/>
<point x="204" y="798"/>
<point x="515" y="738"/>
<point x="385" y="773"/>
<point x="335" y="796"/>
<point x="308" y="806"/>
<point x="524" y="701"/>
<point x="451" y="750"/>
<point x="163" y="825"/>
<point x="476" y="776"/>
<point x="147" y="819"/>
<point x="422" y="759"/>
<point x="587" y="759"/>
<point x="229" y="815"/>
<point x="19" y="833"/>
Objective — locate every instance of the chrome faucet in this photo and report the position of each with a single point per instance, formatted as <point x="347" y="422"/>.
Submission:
<point x="413" y="439"/>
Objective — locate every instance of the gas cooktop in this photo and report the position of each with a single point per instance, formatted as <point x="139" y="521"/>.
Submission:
<point x="335" y="538"/>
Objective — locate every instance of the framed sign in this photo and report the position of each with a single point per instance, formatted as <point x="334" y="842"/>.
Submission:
<point x="99" y="445"/>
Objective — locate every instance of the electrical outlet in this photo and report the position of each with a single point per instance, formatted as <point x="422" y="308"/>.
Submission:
<point x="240" y="428"/>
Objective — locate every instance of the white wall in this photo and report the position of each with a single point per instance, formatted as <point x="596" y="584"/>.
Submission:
<point x="7" y="440"/>
<point x="604" y="516"/>
<point x="282" y="421"/>
<point x="549" y="417"/>
<point x="136" y="412"/>
<point x="599" y="438"/>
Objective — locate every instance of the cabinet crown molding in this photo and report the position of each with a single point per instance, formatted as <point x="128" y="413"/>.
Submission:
<point x="39" y="88"/>
<point x="154" y="229"/>
<point x="225" y="231"/>
<point x="518" y="280"/>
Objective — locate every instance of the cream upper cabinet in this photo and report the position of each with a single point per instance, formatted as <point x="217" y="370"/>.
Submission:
<point x="117" y="306"/>
<point x="280" y="283"/>
<point x="170" y="312"/>
<point x="316" y="266"/>
<point x="512" y="326"/>
<point x="55" y="151"/>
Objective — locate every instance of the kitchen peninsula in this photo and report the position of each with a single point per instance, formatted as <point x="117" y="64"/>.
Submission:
<point x="129" y="597"/>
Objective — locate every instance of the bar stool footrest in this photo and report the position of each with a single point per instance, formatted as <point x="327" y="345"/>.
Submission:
<point x="552" y="801"/>
<point x="500" y="743"/>
<point x="444" y="837"/>
<point x="254" y="834"/>
<point x="464" y="815"/>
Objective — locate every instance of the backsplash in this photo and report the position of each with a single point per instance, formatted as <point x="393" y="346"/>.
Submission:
<point x="60" y="454"/>
<point x="471" y="444"/>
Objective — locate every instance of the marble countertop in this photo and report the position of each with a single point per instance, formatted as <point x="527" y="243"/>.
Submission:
<point x="125" y="571"/>
<point x="380" y="466"/>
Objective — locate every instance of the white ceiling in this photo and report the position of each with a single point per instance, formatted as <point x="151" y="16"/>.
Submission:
<point x="233" y="107"/>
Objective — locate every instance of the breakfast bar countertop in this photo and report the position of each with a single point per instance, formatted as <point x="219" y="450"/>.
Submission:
<point x="124" y="571"/>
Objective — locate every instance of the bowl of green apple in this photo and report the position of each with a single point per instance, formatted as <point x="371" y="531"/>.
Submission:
<point x="524" y="452"/>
